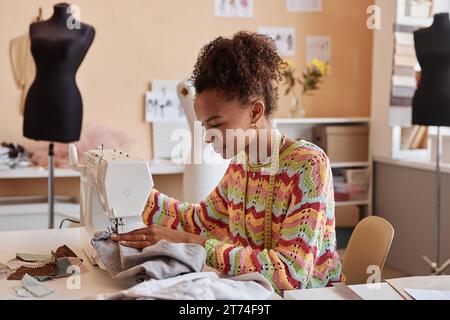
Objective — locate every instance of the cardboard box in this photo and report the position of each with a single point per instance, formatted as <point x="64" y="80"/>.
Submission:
<point x="345" y="143"/>
<point x="347" y="216"/>
<point x="357" y="176"/>
<point x="350" y="191"/>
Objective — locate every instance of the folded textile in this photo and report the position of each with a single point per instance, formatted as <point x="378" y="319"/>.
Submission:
<point x="64" y="251"/>
<point x="33" y="265"/>
<point x="15" y="264"/>
<point x="77" y="262"/>
<point x="30" y="287"/>
<point x="62" y="270"/>
<point x="31" y="257"/>
<point x="199" y="286"/>
<point x="161" y="261"/>
<point x="101" y="235"/>
<point x="40" y="267"/>
<point x="47" y="270"/>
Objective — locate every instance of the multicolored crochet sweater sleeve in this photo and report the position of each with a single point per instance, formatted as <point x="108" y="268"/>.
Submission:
<point x="303" y="253"/>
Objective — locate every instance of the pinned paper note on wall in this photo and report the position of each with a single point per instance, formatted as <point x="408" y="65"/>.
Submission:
<point x="233" y="8"/>
<point x="162" y="103"/>
<point x="318" y="47"/>
<point x="284" y="39"/>
<point x="304" y="5"/>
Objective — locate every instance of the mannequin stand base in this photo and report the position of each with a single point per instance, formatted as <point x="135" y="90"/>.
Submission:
<point x="436" y="270"/>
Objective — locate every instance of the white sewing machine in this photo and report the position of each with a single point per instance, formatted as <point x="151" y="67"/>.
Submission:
<point x="114" y="190"/>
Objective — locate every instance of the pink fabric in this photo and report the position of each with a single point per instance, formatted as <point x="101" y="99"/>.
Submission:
<point x="77" y="262"/>
<point x="92" y="136"/>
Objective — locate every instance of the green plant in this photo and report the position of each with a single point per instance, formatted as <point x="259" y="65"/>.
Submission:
<point x="311" y="76"/>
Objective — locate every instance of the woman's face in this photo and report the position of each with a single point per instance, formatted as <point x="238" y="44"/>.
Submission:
<point x="221" y="117"/>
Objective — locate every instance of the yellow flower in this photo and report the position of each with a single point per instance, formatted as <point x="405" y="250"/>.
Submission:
<point x="322" y="66"/>
<point x="288" y="63"/>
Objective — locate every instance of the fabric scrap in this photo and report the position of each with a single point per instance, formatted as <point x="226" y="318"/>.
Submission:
<point x="78" y="263"/>
<point x="101" y="235"/>
<point x="64" y="251"/>
<point x="5" y="271"/>
<point x="15" y="264"/>
<point x="35" y="287"/>
<point x="62" y="270"/>
<point x="38" y="266"/>
<point x="161" y="261"/>
<point x="199" y="286"/>
<point x="49" y="269"/>
<point x="22" y="292"/>
<point x="30" y="257"/>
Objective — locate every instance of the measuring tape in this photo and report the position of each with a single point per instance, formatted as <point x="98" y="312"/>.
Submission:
<point x="274" y="163"/>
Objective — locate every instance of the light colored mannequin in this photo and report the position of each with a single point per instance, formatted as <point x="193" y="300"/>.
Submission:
<point x="22" y="65"/>
<point x="199" y="179"/>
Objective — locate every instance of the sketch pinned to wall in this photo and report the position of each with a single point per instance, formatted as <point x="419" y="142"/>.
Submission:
<point x="414" y="12"/>
<point x="233" y="8"/>
<point x="318" y="47"/>
<point x="162" y="103"/>
<point x="304" y="5"/>
<point x="166" y="113"/>
<point x="283" y="37"/>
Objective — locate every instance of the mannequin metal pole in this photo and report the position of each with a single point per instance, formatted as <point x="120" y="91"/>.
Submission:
<point x="439" y="269"/>
<point x="436" y="268"/>
<point x="438" y="198"/>
<point x="51" y="189"/>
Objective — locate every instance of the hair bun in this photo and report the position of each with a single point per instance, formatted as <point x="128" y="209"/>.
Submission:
<point x="244" y="67"/>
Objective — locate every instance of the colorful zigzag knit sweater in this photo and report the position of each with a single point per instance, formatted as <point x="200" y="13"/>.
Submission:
<point x="303" y="253"/>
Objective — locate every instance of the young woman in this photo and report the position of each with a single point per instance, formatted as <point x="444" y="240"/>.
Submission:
<point x="278" y="222"/>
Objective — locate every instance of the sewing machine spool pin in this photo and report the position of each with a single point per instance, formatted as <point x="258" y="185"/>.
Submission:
<point x="116" y="223"/>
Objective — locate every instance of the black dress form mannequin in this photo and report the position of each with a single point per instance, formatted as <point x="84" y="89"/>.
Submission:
<point x="431" y="105"/>
<point x="431" y="102"/>
<point x="53" y="108"/>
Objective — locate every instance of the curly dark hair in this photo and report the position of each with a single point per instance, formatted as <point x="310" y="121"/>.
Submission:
<point x="244" y="67"/>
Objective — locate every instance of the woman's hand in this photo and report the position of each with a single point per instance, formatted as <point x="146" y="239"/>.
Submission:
<point x="146" y="237"/>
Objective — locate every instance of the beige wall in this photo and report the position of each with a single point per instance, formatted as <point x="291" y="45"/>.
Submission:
<point x="141" y="40"/>
<point x="383" y="51"/>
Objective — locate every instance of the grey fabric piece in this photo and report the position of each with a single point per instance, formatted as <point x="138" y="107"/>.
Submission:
<point x="63" y="265"/>
<point x="32" y="285"/>
<point x="102" y="235"/>
<point x="199" y="286"/>
<point x="161" y="261"/>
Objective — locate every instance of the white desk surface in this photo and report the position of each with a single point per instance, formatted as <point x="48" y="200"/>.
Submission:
<point x="97" y="281"/>
<point x="381" y="291"/>
<point x="94" y="282"/>
<point x="156" y="167"/>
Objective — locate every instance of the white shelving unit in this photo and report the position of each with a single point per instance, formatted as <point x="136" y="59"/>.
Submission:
<point x="352" y="203"/>
<point x="337" y="165"/>
<point x="30" y="212"/>
<point x="316" y="121"/>
<point x="157" y="168"/>
<point x="302" y="129"/>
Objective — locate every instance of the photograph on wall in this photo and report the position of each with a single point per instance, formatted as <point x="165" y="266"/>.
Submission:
<point x="163" y="106"/>
<point x="233" y="8"/>
<point x="283" y="37"/>
<point x="318" y="47"/>
<point x="304" y="5"/>
<point x="418" y="8"/>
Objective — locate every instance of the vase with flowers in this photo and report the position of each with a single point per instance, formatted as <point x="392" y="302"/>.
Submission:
<point x="308" y="82"/>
